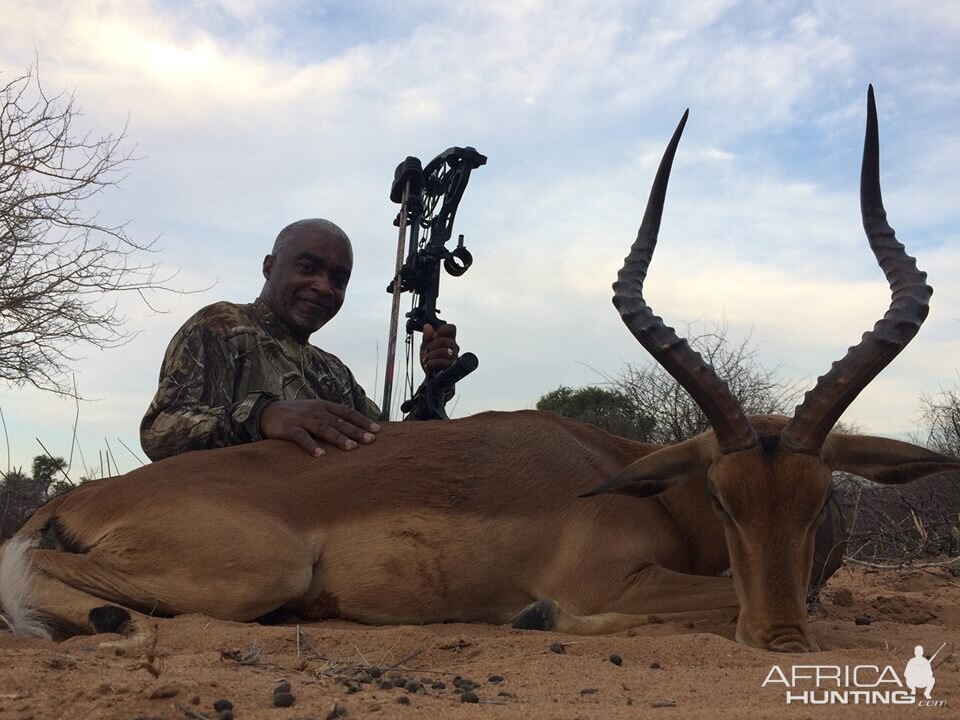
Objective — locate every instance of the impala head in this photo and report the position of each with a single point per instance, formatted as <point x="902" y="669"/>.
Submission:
<point x="769" y="478"/>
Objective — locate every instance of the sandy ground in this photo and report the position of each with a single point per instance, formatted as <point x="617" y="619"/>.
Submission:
<point x="667" y="670"/>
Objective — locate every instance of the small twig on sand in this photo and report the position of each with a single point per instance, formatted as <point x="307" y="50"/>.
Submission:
<point x="365" y="661"/>
<point x="251" y="657"/>
<point x="190" y="713"/>
<point x="384" y="656"/>
<point x="146" y="642"/>
<point x="406" y="658"/>
<point x="313" y="648"/>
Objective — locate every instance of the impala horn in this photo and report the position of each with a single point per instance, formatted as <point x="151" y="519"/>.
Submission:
<point x="909" y="305"/>
<point x="731" y="427"/>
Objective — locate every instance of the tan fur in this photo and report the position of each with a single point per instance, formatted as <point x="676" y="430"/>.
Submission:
<point x="466" y="520"/>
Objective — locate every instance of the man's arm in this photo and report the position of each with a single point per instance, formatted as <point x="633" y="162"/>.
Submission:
<point x="345" y="423"/>
<point x="312" y="423"/>
<point x="194" y="408"/>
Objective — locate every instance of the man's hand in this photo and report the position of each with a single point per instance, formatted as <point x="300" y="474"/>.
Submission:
<point x="439" y="348"/>
<point x="309" y="422"/>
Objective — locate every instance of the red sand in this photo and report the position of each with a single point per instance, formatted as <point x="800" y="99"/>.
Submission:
<point x="668" y="671"/>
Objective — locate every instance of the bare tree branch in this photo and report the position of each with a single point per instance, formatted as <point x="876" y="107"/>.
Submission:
<point x="62" y="268"/>
<point x="940" y="419"/>
<point x="675" y="415"/>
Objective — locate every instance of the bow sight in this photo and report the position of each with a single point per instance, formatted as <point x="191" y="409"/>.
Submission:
<point x="428" y="198"/>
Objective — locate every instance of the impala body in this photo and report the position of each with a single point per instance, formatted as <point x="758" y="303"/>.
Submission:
<point x="484" y="518"/>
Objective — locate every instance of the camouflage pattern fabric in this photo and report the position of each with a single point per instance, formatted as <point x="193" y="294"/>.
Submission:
<point x="224" y="366"/>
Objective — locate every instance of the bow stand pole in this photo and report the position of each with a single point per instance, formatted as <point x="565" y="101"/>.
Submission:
<point x="409" y="177"/>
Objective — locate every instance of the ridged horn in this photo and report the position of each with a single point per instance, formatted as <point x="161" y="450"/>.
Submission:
<point x="909" y="305"/>
<point x="674" y="354"/>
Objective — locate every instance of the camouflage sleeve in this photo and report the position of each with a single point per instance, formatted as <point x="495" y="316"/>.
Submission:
<point x="194" y="408"/>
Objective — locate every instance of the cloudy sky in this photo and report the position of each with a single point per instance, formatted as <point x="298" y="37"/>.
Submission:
<point x="248" y="114"/>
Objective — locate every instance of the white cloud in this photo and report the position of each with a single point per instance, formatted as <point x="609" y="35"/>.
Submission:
<point x="251" y="114"/>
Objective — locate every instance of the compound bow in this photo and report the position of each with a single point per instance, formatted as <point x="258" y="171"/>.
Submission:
<point x="428" y="199"/>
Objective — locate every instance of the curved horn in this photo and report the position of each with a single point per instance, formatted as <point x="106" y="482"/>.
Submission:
<point x="909" y="304"/>
<point x="730" y="425"/>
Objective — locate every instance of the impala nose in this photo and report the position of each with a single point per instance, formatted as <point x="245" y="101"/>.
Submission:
<point x="792" y="643"/>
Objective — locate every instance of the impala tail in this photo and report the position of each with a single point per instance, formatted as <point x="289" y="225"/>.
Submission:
<point x="16" y="578"/>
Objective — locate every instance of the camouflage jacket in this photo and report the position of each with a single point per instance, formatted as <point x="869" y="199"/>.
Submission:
<point x="224" y="366"/>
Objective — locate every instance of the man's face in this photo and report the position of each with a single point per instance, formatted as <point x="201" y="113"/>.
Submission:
<point x="307" y="279"/>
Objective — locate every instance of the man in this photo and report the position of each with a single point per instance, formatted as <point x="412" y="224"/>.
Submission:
<point x="239" y="373"/>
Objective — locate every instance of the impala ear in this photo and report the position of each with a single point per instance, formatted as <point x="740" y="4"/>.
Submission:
<point x="664" y="469"/>
<point x="882" y="460"/>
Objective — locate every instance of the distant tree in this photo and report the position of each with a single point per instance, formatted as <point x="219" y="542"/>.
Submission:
<point x="48" y="473"/>
<point x="940" y="419"/>
<point x="644" y="402"/>
<point x="17" y="494"/>
<point x="674" y="415"/>
<point x="608" y="409"/>
<point x="61" y="266"/>
<point x="21" y="494"/>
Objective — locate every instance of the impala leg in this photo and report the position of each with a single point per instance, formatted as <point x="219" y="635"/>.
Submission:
<point x="74" y="611"/>
<point x="260" y="580"/>
<point x="654" y="589"/>
<point x="554" y="617"/>
<point x="654" y="595"/>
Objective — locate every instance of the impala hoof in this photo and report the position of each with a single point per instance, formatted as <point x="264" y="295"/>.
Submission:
<point x="541" y="615"/>
<point x="109" y="619"/>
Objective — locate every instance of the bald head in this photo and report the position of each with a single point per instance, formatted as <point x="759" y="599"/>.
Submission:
<point x="309" y="226"/>
<point x="306" y="274"/>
